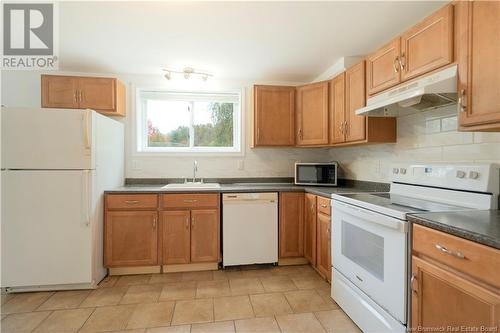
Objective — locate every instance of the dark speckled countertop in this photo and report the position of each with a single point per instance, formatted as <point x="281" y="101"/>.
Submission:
<point x="481" y="226"/>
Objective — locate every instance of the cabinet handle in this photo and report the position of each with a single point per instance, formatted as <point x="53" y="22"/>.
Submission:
<point x="192" y="222"/>
<point x="190" y="200"/>
<point x="300" y="134"/>
<point x="81" y="95"/>
<point x="187" y="222"/>
<point x="412" y="280"/>
<point x="444" y="250"/>
<point x="461" y="100"/>
<point x="395" y="64"/>
<point x="323" y="206"/>
<point x="345" y="127"/>
<point x="131" y="202"/>
<point x="154" y="223"/>
<point x="76" y="96"/>
<point x="342" y="128"/>
<point x="402" y="61"/>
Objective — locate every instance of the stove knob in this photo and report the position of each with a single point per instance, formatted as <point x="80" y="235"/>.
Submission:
<point x="473" y="175"/>
<point x="395" y="171"/>
<point x="461" y="174"/>
<point x="402" y="171"/>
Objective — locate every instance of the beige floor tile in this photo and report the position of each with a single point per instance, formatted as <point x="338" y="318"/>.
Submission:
<point x="104" y="297"/>
<point x="326" y="294"/>
<point x="198" y="276"/>
<point x="306" y="301"/>
<point x="193" y="311"/>
<point x="214" y="288"/>
<point x="293" y="270"/>
<point x="309" y="282"/>
<point x="232" y="307"/>
<point x="65" y="300"/>
<point x="25" y="302"/>
<point x="246" y="286"/>
<point x="170" y="329"/>
<point x="22" y="322"/>
<point x="64" y="321"/>
<point x="145" y="293"/>
<point x="129" y="280"/>
<point x="108" y="281"/>
<point x="178" y="290"/>
<point x="336" y="321"/>
<point x="257" y="273"/>
<point x="151" y="315"/>
<point x="257" y="325"/>
<point x="137" y="330"/>
<point x="6" y="297"/>
<point x="278" y="283"/>
<point x="270" y="304"/>
<point x="219" y="327"/>
<point x="109" y="318"/>
<point x="220" y="275"/>
<point x="299" y="323"/>
<point x="166" y="278"/>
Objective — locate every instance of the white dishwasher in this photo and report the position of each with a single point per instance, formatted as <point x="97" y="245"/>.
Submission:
<point x="249" y="228"/>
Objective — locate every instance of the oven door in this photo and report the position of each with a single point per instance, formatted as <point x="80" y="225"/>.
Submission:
<point x="369" y="249"/>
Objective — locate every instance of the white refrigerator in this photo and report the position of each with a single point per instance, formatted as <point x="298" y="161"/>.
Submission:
<point x="56" y="164"/>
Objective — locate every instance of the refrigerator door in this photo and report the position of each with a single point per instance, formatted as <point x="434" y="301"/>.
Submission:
<point x="47" y="139"/>
<point x="46" y="229"/>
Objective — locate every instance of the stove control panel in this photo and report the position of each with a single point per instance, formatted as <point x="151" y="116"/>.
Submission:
<point x="469" y="177"/>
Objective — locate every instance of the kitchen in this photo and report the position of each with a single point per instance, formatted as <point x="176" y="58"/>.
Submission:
<point x="183" y="189"/>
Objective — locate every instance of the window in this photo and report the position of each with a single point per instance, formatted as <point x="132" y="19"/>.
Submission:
<point x="189" y="122"/>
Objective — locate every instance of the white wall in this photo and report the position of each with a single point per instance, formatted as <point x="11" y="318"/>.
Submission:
<point x="22" y="88"/>
<point x="430" y="136"/>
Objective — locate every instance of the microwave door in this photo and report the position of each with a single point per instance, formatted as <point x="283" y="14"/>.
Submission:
<point x="316" y="174"/>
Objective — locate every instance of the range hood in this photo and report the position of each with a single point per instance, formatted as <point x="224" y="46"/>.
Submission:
<point x="430" y="92"/>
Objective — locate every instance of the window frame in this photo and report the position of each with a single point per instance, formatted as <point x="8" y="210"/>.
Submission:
<point x="141" y="137"/>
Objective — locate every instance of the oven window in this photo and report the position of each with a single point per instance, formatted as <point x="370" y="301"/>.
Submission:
<point x="364" y="248"/>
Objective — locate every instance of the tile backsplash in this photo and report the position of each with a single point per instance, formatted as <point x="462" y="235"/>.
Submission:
<point x="429" y="136"/>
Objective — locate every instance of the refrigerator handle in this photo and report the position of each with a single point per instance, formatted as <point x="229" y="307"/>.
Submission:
<point x="86" y="198"/>
<point x="86" y="128"/>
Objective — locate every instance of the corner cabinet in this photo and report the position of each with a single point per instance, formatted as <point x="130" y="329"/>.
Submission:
<point x="310" y="228"/>
<point x="105" y="95"/>
<point x="291" y="224"/>
<point x="312" y="114"/>
<point x="274" y="116"/>
<point x="455" y="288"/>
<point x="478" y="58"/>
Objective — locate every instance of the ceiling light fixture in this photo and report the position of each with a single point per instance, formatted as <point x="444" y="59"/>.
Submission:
<point x="188" y="73"/>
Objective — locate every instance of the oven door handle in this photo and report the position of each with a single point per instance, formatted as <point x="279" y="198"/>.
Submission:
<point x="371" y="217"/>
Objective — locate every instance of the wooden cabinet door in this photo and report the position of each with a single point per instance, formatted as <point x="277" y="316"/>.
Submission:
<point x="323" y="261"/>
<point x="97" y="93"/>
<point x="478" y="50"/>
<point x="131" y="238"/>
<point x="382" y="67"/>
<point x="291" y="224"/>
<point x="355" y="99"/>
<point x="205" y="235"/>
<point x="337" y="109"/>
<point x="428" y="45"/>
<point x="441" y="298"/>
<point x="176" y="237"/>
<point x="312" y="114"/>
<point x="59" y="91"/>
<point x="310" y="228"/>
<point x="274" y="116"/>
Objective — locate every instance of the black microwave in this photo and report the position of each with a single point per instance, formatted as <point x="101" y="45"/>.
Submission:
<point x="317" y="174"/>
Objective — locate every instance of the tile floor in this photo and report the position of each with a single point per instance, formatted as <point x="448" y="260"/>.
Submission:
<point x="263" y="299"/>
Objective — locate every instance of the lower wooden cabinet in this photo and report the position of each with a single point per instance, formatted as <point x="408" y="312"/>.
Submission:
<point x="131" y="238"/>
<point x="310" y="228"/>
<point x="291" y="224"/>
<point x="323" y="246"/>
<point x="176" y="237"/>
<point x="205" y="235"/>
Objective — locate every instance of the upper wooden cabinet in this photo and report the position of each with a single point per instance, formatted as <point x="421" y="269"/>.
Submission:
<point x="337" y="109"/>
<point x="312" y="114"/>
<point x="478" y="58"/>
<point x="105" y="95"/>
<point x="291" y="224"/>
<point x="274" y="116"/>
<point x="355" y="97"/>
<point x="383" y="68"/>
<point x="421" y="49"/>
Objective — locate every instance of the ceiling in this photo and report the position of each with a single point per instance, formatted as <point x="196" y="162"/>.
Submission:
<point x="257" y="41"/>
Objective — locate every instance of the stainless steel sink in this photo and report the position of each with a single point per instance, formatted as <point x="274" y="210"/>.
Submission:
<point x="191" y="185"/>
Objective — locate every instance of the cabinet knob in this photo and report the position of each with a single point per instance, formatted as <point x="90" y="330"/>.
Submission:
<point x="395" y="64"/>
<point x="402" y="61"/>
<point x="154" y="222"/>
<point x="412" y="281"/>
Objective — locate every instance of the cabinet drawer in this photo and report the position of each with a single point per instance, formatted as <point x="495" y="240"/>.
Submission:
<point x="189" y="200"/>
<point x="476" y="260"/>
<point x="131" y="201"/>
<point x="323" y="206"/>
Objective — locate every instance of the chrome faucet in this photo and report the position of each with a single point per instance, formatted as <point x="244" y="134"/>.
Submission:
<point x="195" y="169"/>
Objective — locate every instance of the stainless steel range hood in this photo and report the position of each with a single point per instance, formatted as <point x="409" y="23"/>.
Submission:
<point x="432" y="91"/>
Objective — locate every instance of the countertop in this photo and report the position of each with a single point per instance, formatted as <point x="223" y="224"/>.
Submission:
<point x="480" y="226"/>
<point x="247" y="187"/>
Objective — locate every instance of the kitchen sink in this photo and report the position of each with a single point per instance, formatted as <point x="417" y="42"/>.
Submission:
<point x="191" y="185"/>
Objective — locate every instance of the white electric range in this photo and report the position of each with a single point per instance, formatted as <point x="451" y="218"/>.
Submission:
<point x="371" y="236"/>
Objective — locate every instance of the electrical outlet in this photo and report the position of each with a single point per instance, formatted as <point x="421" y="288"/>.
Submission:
<point x="136" y="165"/>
